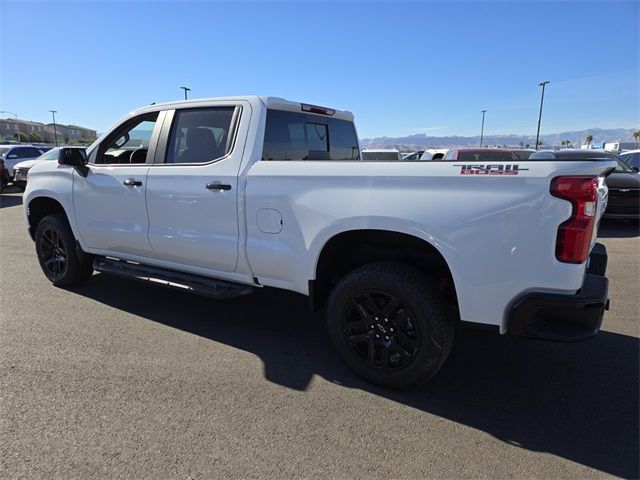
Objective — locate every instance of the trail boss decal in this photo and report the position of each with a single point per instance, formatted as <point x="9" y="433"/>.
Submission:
<point x="468" y="169"/>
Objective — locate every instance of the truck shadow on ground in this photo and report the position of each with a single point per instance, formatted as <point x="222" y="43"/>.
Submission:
<point x="576" y="401"/>
<point x="10" y="200"/>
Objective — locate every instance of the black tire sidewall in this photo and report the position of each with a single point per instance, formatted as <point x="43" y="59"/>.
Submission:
<point x="76" y="271"/>
<point x="416" y="293"/>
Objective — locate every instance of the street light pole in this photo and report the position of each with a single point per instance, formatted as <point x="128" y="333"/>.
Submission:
<point x="542" y="84"/>
<point x="15" y="116"/>
<point x="186" y="89"/>
<point x="482" y="129"/>
<point x="55" y="130"/>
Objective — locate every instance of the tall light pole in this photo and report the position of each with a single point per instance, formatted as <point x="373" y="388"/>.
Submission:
<point x="55" y="130"/>
<point x="186" y="89"/>
<point x="482" y="129"/>
<point x="542" y="84"/>
<point x="15" y="116"/>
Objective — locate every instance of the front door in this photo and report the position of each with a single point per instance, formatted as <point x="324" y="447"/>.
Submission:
<point x="192" y="188"/>
<point x="110" y="202"/>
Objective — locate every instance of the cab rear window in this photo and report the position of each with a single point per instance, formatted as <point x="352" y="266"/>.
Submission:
<point x="301" y="136"/>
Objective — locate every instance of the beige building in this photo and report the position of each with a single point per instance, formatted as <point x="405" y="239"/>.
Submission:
<point x="36" y="132"/>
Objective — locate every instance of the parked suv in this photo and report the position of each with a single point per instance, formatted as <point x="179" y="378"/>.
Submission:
<point x="21" y="170"/>
<point x="12" y="154"/>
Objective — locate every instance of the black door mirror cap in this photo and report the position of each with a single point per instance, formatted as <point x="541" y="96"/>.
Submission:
<point x="76" y="158"/>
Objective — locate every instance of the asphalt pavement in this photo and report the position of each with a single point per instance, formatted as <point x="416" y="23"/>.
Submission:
<point x="119" y="379"/>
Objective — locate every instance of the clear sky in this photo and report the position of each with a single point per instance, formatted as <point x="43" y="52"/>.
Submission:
<point x="401" y="67"/>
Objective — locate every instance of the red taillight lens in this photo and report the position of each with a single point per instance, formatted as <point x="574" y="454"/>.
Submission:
<point x="574" y="235"/>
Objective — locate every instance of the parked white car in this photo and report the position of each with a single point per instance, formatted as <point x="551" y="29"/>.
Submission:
<point x="21" y="170"/>
<point x="434" y="154"/>
<point x="12" y="154"/>
<point x="235" y="194"/>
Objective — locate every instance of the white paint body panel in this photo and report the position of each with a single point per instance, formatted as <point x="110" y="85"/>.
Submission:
<point x="111" y="216"/>
<point x="496" y="233"/>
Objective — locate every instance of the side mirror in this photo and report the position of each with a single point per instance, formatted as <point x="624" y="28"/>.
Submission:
<point x="74" y="157"/>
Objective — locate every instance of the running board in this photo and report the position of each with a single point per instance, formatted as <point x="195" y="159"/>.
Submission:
<point x="205" y="286"/>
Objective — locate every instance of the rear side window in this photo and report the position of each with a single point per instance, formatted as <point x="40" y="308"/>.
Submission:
<point x="200" y="135"/>
<point x="301" y="136"/>
<point x="27" y="152"/>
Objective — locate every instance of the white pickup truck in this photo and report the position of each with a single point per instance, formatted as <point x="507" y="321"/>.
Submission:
<point x="226" y="195"/>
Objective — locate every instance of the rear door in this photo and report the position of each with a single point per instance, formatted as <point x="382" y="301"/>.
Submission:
<point x="192" y="187"/>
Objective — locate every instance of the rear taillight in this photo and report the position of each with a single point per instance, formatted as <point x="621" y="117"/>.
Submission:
<point x="574" y="235"/>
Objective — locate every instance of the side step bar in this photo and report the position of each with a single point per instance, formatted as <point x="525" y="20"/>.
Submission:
<point x="205" y="286"/>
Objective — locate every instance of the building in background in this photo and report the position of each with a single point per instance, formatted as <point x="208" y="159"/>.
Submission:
<point x="37" y="132"/>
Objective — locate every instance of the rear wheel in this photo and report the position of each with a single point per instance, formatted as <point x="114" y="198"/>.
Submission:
<point x="57" y="254"/>
<point x="390" y="324"/>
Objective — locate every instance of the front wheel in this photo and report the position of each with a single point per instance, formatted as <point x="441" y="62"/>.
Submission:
<point x="390" y="324"/>
<point x="56" y="250"/>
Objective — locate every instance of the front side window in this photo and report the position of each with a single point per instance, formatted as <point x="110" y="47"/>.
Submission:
<point x="130" y="143"/>
<point x="200" y="135"/>
<point x="301" y="136"/>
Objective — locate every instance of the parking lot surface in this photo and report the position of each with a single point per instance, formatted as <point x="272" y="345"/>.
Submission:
<point x="123" y="379"/>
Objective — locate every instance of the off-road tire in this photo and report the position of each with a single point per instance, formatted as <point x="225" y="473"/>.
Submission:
<point x="54" y="240"/>
<point x="430" y="326"/>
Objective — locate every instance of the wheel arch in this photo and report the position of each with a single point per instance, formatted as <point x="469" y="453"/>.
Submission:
<point x="40" y="207"/>
<point x="351" y="249"/>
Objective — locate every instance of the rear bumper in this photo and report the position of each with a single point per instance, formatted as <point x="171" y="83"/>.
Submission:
<point x="565" y="318"/>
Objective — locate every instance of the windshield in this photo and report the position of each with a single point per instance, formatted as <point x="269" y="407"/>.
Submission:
<point x="622" y="167"/>
<point x="631" y="159"/>
<point x="50" y="155"/>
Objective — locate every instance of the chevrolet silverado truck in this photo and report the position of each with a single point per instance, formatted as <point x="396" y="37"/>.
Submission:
<point x="227" y="195"/>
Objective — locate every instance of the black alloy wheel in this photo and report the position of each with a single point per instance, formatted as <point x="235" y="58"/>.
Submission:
<point x="60" y="257"/>
<point x="380" y="330"/>
<point x="53" y="252"/>
<point x="390" y="324"/>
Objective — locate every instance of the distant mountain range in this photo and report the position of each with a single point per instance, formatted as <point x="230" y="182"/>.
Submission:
<point x="421" y="141"/>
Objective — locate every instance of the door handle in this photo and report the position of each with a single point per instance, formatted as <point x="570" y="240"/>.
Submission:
<point x="218" y="186"/>
<point x="132" y="182"/>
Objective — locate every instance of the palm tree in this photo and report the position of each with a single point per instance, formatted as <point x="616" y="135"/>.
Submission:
<point x="589" y="139"/>
<point x="563" y="143"/>
<point x="521" y="144"/>
<point x="539" y="143"/>
<point x="568" y="143"/>
<point x="636" y="136"/>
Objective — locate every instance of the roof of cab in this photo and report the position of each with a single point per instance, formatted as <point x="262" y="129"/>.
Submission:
<point x="276" y="103"/>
